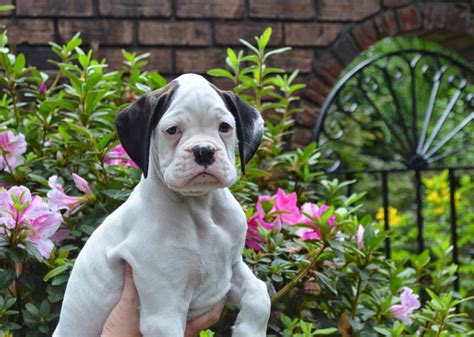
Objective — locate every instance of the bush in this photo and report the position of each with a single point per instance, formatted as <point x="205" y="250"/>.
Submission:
<point x="63" y="171"/>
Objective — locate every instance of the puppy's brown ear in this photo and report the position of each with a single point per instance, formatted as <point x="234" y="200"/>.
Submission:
<point x="249" y="125"/>
<point x="135" y="124"/>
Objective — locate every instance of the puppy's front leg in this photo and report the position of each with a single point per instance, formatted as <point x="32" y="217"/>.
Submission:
<point x="161" y="325"/>
<point x="161" y="314"/>
<point x="251" y="296"/>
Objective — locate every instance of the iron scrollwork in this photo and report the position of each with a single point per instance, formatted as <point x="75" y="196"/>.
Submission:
<point x="405" y="109"/>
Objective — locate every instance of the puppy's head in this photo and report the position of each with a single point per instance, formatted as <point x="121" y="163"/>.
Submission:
<point x="190" y="129"/>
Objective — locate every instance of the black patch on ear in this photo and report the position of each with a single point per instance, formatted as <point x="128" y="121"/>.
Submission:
<point x="136" y="123"/>
<point x="249" y="125"/>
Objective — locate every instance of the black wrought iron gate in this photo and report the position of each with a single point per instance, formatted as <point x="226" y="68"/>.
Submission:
<point x="409" y="111"/>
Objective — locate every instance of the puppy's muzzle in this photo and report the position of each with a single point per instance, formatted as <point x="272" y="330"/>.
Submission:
<point x="204" y="155"/>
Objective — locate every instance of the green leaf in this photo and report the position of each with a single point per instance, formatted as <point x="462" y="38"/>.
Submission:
<point x="62" y="131"/>
<point x="327" y="331"/>
<point x="327" y="281"/>
<point x="234" y="62"/>
<point x="4" y="8"/>
<point x="55" y="272"/>
<point x="423" y="259"/>
<point x="383" y="331"/>
<point x="6" y="279"/>
<point x="267" y="205"/>
<point x="17" y="255"/>
<point x="276" y="51"/>
<point x="249" y="46"/>
<point x="157" y="80"/>
<point x="33" y="251"/>
<point x="366" y="220"/>
<point x="220" y="73"/>
<point x="368" y="234"/>
<point x="82" y="130"/>
<point x="105" y="140"/>
<point x="19" y="64"/>
<point x="117" y="194"/>
<point x="60" y="279"/>
<point x="74" y="42"/>
<point x="32" y="309"/>
<point x="39" y="179"/>
<point x="263" y="41"/>
<point x="142" y="88"/>
<point x="43" y="329"/>
<point x="45" y="307"/>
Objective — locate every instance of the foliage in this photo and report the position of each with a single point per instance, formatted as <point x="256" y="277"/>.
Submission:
<point x="328" y="283"/>
<point x="322" y="260"/>
<point x="274" y="93"/>
<point x="68" y="125"/>
<point x="437" y="234"/>
<point x="359" y="149"/>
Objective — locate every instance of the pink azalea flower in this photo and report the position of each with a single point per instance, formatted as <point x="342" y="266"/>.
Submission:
<point x="61" y="235"/>
<point x="253" y="237"/>
<point x="19" y="209"/>
<point x="58" y="200"/>
<point x="315" y="212"/>
<point x="118" y="156"/>
<point x="42" y="88"/>
<point x="409" y="303"/>
<point x="306" y="233"/>
<point x="28" y="207"/>
<point x="285" y="203"/>
<point x="44" y="227"/>
<point x="81" y="184"/>
<point x="360" y="236"/>
<point x="11" y="149"/>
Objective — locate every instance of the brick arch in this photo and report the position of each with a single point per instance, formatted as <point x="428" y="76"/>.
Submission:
<point x="424" y="20"/>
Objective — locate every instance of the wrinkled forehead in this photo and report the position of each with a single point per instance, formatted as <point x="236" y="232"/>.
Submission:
<point x="196" y="99"/>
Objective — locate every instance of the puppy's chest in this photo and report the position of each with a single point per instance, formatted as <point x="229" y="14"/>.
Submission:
<point x="215" y="245"/>
<point x="218" y="246"/>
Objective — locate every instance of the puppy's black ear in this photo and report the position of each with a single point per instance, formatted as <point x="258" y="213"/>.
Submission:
<point x="249" y="125"/>
<point x="135" y="124"/>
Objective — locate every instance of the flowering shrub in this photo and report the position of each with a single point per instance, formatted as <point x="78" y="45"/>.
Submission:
<point x="62" y="171"/>
<point x="322" y="260"/>
<point x="338" y="280"/>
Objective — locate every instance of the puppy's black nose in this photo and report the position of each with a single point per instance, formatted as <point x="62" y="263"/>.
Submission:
<point x="203" y="155"/>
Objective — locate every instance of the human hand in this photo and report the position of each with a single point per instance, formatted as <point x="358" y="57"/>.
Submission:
<point x="124" y="319"/>
<point x="205" y="321"/>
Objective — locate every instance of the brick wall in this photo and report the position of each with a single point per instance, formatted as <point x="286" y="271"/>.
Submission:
<point x="192" y="35"/>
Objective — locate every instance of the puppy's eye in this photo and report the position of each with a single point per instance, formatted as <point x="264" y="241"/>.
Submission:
<point x="224" y="127"/>
<point x="172" y="130"/>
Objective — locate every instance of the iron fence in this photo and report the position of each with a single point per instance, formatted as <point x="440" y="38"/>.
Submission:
<point x="402" y="112"/>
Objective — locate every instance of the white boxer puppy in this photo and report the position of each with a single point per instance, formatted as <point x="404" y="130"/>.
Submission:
<point x="181" y="230"/>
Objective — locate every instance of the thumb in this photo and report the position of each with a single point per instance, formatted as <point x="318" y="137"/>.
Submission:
<point x="129" y="290"/>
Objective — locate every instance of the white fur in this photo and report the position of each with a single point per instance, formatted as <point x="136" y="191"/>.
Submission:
<point x="181" y="230"/>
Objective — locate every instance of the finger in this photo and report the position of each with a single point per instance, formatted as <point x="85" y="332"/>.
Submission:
<point x="218" y="308"/>
<point x="128" y="275"/>
<point x="129" y="290"/>
<point x="205" y="321"/>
